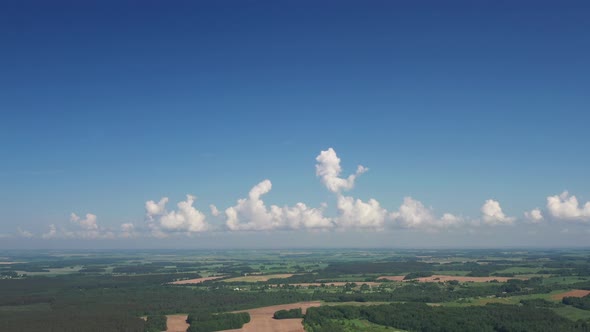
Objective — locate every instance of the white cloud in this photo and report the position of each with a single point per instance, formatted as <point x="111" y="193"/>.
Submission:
<point x="127" y="230"/>
<point x="52" y="232"/>
<point x="492" y="214"/>
<point x="413" y="214"/>
<point x="187" y="219"/>
<point x="24" y="233"/>
<point x="534" y="215"/>
<point x="86" y="228"/>
<point x="250" y="214"/>
<point x="155" y="209"/>
<point x="354" y="213"/>
<point x="88" y="223"/>
<point x="214" y="211"/>
<point x="566" y="207"/>
<point x="328" y="169"/>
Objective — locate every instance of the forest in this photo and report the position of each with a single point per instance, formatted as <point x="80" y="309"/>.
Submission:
<point x="421" y="317"/>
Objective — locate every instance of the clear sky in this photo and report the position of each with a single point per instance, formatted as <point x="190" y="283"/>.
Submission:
<point x="470" y="119"/>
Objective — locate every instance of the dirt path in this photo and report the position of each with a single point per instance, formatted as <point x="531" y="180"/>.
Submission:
<point x="573" y="293"/>
<point x="261" y="319"/>
<point x="194" y="281"/>
<point x="176" y="323"/>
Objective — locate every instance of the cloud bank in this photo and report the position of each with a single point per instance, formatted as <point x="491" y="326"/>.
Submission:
<point x="251" y="213"/>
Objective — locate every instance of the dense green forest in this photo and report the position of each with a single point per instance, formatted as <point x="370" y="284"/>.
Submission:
<point x="206" y="322"/>
<point x="578" y="302"/>
<point x="155" y="323"/>
<point x="424" y="318"/>
<point x="286" y="314"/>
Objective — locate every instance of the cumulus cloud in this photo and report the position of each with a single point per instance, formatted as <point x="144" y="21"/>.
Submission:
<point x="534" y="215"/>
<point x="566" y="207"/>
<point x="88" y="228"/>
<point x="492" y="214"/>
<point x="127" y="230"/>
<point x="186" y="219"/>
<point x="328" y="169"/>
<point x="214" y="211"/>
<point x="51" y="233"/>
<point x="155" y="209"/>
<point x="251" y="214"/>
<point x="88" y="223"/>
<point x="413" y="214"/>
<point x="24" y="233"/>
<point x="84" y="228"/>
<point x="355" y="213"/>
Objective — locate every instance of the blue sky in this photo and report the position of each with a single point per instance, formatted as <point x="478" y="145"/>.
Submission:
<point x="108" y="105"/>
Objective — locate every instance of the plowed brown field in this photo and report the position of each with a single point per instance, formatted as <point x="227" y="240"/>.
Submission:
<point x="573" y="293"/>
<point x="261" y="319"/>
<point x="176" y="323"/>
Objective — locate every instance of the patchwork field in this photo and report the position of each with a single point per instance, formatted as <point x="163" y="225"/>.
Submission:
<point x="112" y="289"/>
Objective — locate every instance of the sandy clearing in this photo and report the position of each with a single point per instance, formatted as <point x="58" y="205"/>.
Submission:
<point x="194" y="281"/>
<point x="261" y="319"/>
<point x="256" y="278"/>
<point x="441" y="278"/>
<point x="572" y="293"/>
<point x="176" y="323"/>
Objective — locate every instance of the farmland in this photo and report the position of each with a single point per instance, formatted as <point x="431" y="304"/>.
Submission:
<point x="141" y="290"/>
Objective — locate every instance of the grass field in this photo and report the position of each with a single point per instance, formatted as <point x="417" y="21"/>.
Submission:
<point x="572" y="312"/>
<point x="520" y="270"/>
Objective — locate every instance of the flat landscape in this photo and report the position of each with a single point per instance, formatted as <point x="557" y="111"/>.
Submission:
<point x="336" y="289"/>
